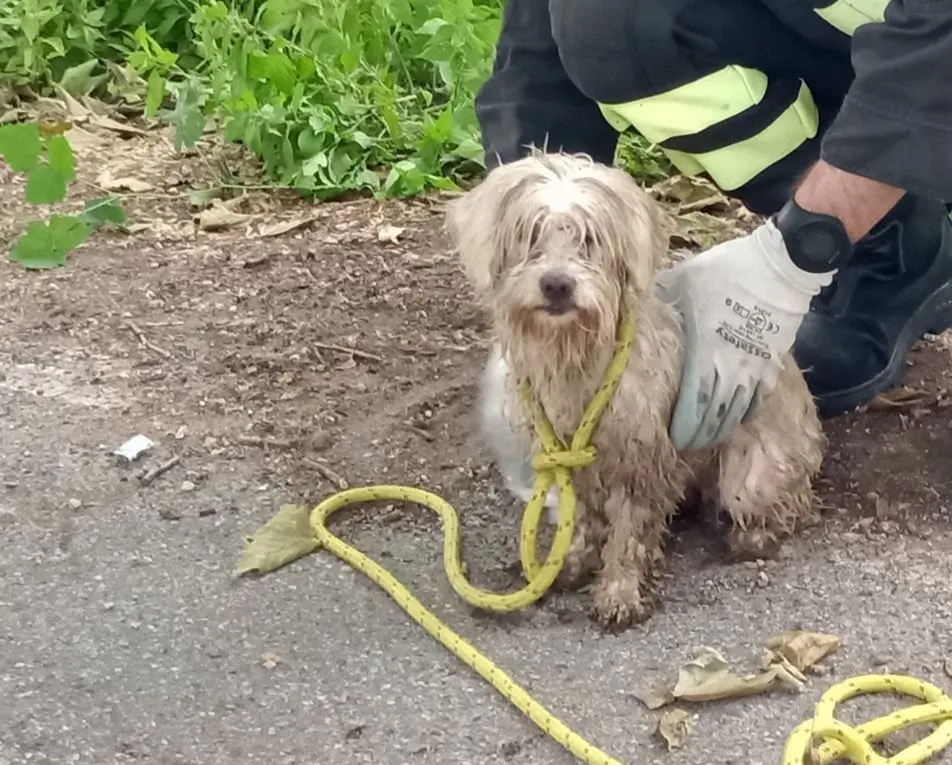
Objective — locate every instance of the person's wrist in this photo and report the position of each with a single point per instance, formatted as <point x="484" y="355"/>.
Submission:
<point x="858" y="202"/>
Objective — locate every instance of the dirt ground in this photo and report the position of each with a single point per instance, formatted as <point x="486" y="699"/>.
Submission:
<point x="307" y="346"/>
<point x="346" y="348"/>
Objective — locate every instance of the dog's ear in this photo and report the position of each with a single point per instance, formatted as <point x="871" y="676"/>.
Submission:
<point x="472" y="222"/>
<point x="647" y="233"/>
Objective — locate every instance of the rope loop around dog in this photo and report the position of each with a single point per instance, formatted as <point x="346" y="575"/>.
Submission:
<point x="553" y="466"/>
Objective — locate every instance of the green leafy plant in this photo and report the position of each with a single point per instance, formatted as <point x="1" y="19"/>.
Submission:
<point x="368" y="95"/>
<point x="71" y="42"/>
<point x="44" y="156"/>
<point x="333" y="96"/>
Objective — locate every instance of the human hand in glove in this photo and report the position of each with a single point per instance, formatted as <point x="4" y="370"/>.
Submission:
<point x="741" y="305"/>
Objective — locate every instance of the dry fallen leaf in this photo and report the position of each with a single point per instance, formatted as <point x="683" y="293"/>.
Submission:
<point x="204" y="197"/>
<point x="699" y="229"/>
<point x="83" y="139"/>
<point x="107" y="182"/>
<point x="654" y="695"/>
<point x="674" y="727"/>
<point x="803" y="649"/>
<point x="388" y="233"/>
<point x="116" y="127"/>
<point x="282" y="540"/>
<point x="285" y="226"/>
<point x="74" y="108"/>
<point x="219" y="218"/>
<point x="708" y="677"/>
<point x="691" y="193"/>
<point x="785" y="672"/>
<point x="900" y="398"/>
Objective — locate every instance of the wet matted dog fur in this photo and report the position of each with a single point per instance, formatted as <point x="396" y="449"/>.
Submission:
<point x="554" y="245"/>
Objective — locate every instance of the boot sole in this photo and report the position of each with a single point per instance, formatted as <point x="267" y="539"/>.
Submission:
<point x="933" y="317"/>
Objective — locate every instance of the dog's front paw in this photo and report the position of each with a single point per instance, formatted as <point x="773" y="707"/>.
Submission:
<point x="752" y="544"/>
<point x="619" y="605"/>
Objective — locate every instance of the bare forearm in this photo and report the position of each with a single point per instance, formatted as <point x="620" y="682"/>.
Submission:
<point x="858" y="202"/>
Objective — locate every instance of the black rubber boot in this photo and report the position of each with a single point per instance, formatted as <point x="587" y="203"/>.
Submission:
<point x="854" y="343"/>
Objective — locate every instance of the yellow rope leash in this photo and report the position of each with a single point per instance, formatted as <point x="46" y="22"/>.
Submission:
<point x="554" y="465"/>
<point x="843" y="742"/>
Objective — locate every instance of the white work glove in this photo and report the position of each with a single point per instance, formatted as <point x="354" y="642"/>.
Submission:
<point x="741" y="305"/>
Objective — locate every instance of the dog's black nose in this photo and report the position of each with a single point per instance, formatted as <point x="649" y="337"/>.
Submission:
<point x="557" y="287"/>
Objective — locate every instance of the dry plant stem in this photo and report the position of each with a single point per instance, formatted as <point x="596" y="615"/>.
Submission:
<point x="352" y="351"/>
<point x="259" y="441"/>
<point x="336" y="478"/>
<point x="146" y="343"/>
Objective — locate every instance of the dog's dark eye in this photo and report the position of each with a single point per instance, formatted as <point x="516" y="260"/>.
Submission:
<point x="589" y="241"/>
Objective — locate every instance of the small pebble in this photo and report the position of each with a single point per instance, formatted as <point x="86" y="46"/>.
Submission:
<point x="188" y="486"/>
<point x="75" y="503"/>
<point x="509" y="749"/>
<point x="215" y="651"/>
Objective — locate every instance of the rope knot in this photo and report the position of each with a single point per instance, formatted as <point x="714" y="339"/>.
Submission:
<point x="564" y="458"/>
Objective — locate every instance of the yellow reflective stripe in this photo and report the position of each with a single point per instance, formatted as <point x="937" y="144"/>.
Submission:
<point x="694" y="107"/>
<point x="735" y="165"/>
<point x="848" y="15"/>
<point x="614" y="119"/>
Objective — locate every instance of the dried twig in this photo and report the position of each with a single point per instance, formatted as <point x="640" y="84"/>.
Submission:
<point x="145" y="342"/>
<point x="351" y="351"/>
<point x="336" y="478"/>
<point x="152" y="473"/>
<point x="425" y="434"/>
<point x="257" y="260"/>
<point x="416" y="351"/>
<point x="259" y="441"/>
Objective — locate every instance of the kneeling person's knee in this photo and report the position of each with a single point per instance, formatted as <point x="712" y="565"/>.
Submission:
<point x="705" y="111"/>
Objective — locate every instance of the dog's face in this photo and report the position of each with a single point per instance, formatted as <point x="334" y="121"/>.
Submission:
<point x="553" y="243"/>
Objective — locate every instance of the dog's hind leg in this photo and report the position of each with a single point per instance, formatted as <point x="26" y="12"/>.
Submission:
<point x="765" y="485"/>
<point x="633" y="548"/>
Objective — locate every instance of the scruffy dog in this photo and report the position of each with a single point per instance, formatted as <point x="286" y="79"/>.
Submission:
<point x="554" y="245"/>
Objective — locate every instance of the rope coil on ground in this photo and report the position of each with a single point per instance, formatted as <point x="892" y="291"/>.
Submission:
<point x="835" y="740"/>
<point x="554" y="465"/>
